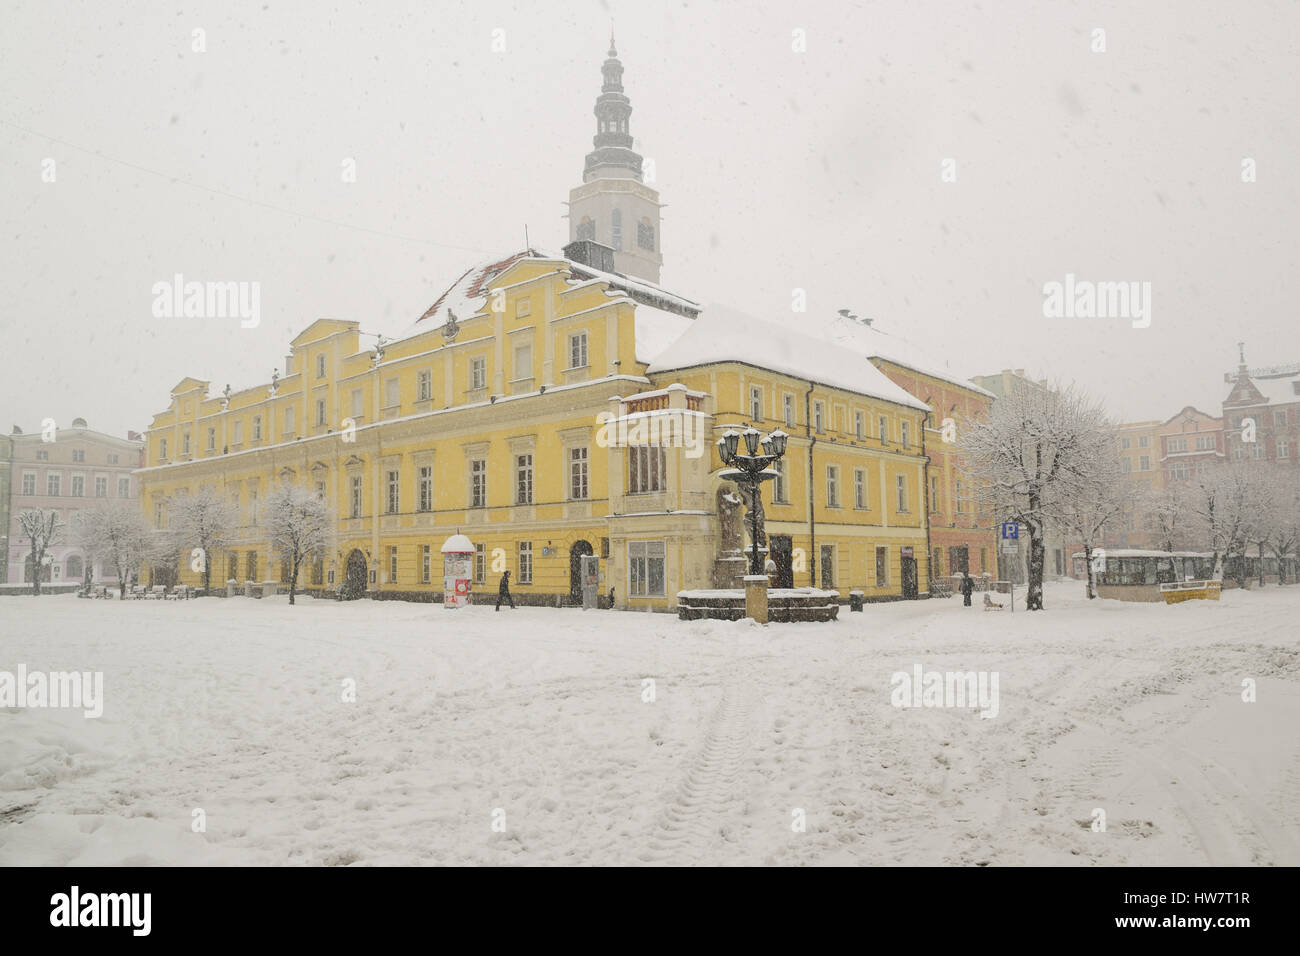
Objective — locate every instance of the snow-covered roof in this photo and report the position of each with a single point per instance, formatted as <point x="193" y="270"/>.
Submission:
<point x="656" y="330"/>
<point x="721" y="334"/>
<point x="876" y="343"/>
<point x="1280" y="390"/>
<point x="458" y="544"/>
<point x="466" y="296"/>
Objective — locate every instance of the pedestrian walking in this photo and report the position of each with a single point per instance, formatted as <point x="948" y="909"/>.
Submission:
<point x="967" y="586"/>
<point x="503" y="592"/>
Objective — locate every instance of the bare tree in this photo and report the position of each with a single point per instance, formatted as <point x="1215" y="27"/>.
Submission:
<point x="117" y="534"/>
<point x="1097" y="498"/>
<point x="41" y="529"/>
<point x="1222" y="499"/>
<point x="204" y="522"/>
<point x="1281" y="521"/>
<point x="1166" y="513"/>
<point x="298" y="524"/>
<point x="1037" y="448"/>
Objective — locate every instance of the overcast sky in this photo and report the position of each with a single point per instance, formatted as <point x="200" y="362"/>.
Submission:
<point x="818" y="170"/>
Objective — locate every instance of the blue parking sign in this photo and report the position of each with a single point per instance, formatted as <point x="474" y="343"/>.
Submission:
<point x="1010" y="530"/>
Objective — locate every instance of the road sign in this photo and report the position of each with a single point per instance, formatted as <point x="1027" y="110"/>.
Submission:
<point x="1010" y="530"/>
<point x="1009" y="546"/>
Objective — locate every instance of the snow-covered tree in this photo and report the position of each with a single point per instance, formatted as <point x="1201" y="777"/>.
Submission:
<point x="41" y="529"/>
<point x="298" y="524"/>
<point x="116" y="534"/>
<point x="1098" y="497"/>
<point x="1281" y="522"/>
<point x="205" y="522"/>
<point x="1037" y="447"/>
<point x="1223" y="502"/>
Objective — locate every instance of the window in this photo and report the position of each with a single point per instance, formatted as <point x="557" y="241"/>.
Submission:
<point x="755" y="404"/>
<point x="426" y="563"/>
<point x="525" y="562"/>
<point x="392" y="564"/>
<point x="1176" y="444"/>
<point x="645" y="235"/>
<point x="934" y="495"/>
<point x="780" y="485"/>
<point x="78" y="454"/>
<point x="252" y="505"/>
<point x="78" y="486"/>
<point x="321" y="415"/>
<point x="1279" y="417"/>
<point x="578" y="350"/>
<point x="1205" y="443"/>
<point x="902" y="493"/>
<point x="477" y="373"/>
<point x="523" y="479"/>
<point x="45" y="455"/>
<point x="29" y="483"/>
<point x="819" y="415"/>
<point x="239" y="435"/>
<point x="480" y="563"/>
<point x="212" y="439"/>
<point x="860" y="489"/>
<point x="828" y="567"/>
<point x="1144" y="463"/>
<point x="1283" y="448"/>
<point x="523" y="361"/>
<point x="616" y="237"/>
<point x="522" y="308"/>
<point x="320" y="365"/>
<point x="1126" y="465"/>
<point x="478" y="483"/>
<point x="860" y="425"/>
<point x="320" y="491"/>
<point x="1144" y="441"/>
<point x="647" y="468"/>
<point x="832" y="486"/>
<point x="903" y="429"/>
<point x="257" y="428"/>
<point x="426" y="487"/>
<point x="288" y="420"/>
<point x="789" y="411"/>
<point x="884" y="430"/>
<point x="124" y="487"/>
<point x="251" y="561"/>
<point x="959" y="504"/>
<point x="1125" y="443"/>
<point x="424" y="386"/>
<point x="52" y="483"/>
<point x="577" y="473"/>
<point x="1256" y="450"/>
<point x="358" y="403"/>
<point x="645" y="561"/>
<point x="101" y="487"/>
<point x="185" y="443"/>
<point x="394" y="492"/>
<point x="392" y="393"/>
<point x="882" y="567"/>
<point x="158" y="515"/>
<point x="112" y="459"/>
<point x="356" y="496"/>
<point x="1180" y="471"/>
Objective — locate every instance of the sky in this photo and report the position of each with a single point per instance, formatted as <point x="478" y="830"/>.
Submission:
<point x="820" y="165"/>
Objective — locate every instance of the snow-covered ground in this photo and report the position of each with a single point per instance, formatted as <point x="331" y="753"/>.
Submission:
<point x="537" y="719"/>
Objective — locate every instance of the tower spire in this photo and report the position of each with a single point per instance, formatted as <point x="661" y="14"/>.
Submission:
<point x="613" y="156"/>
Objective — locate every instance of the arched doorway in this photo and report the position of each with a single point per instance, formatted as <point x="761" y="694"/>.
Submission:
<point x="74" y="568"/>
<point x="576" y="552"/>
<point x="354" y="581"/>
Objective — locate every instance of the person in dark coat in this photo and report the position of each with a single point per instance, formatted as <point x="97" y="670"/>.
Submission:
<point x="503" y="592"/>
<point x="967" y="586"/>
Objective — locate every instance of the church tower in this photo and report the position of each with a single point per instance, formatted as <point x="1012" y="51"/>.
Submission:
<point x="614" y="206"/>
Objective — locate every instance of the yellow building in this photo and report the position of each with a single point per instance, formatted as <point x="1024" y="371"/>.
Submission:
<point x="549" y="407"/>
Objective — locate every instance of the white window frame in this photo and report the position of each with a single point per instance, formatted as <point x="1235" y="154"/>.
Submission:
<point x="640" y="558"/>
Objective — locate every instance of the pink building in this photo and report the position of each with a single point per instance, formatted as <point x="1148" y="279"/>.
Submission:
<point x="68" y="474"/>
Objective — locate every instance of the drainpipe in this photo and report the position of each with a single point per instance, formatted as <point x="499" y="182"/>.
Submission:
<point x="812" y="511"/>
<point x="925" y="483"/>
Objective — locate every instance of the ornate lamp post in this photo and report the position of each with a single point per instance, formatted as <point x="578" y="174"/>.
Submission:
<point x="752" y="469"/>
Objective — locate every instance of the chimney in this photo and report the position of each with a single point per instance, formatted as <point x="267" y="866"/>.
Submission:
<point x="588" y="252"/>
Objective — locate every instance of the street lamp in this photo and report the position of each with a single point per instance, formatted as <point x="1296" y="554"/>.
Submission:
<point x="752" y="469"/>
